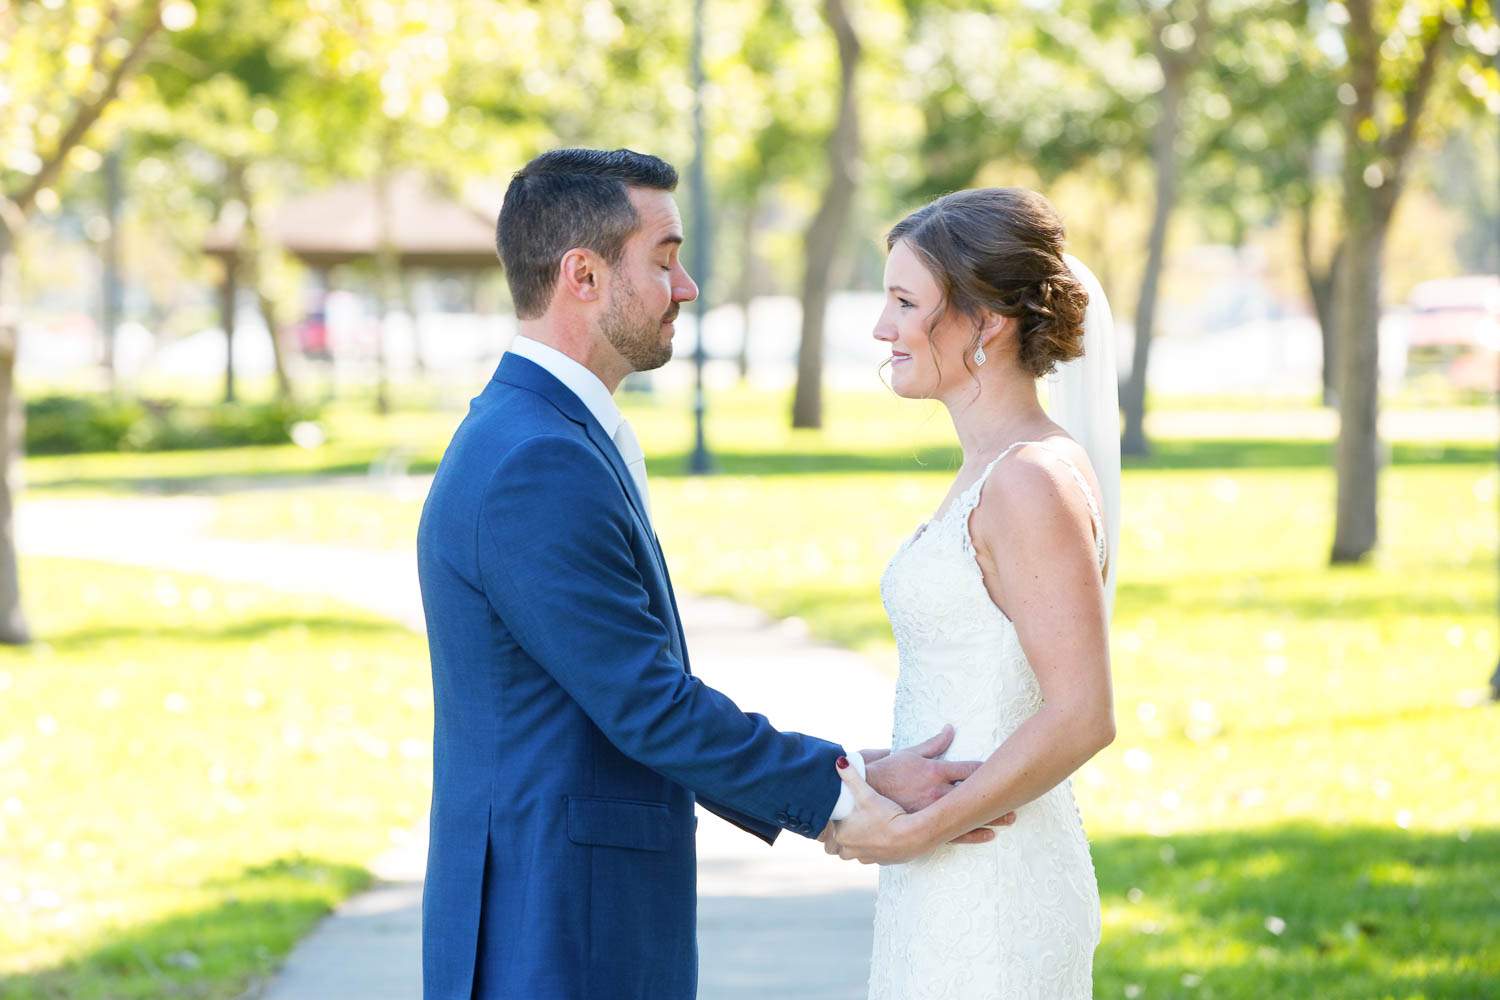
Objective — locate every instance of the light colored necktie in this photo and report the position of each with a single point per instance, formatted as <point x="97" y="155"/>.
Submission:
<point x="635" y="461"/>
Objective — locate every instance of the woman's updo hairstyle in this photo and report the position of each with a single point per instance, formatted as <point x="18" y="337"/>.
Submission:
<point x="1000" y="249"/>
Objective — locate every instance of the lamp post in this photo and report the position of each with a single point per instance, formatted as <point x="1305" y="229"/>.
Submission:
<point x="701" y="461"/>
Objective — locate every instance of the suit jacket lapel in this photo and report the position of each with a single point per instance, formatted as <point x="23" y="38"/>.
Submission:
<point x="522" y="373"/>
<point x="677" y="616"/>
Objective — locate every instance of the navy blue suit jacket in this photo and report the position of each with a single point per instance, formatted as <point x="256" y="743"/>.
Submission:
<point x="571" y="739"/>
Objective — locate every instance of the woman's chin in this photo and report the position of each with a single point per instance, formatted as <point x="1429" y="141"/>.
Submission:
<point x="906" y="387"/>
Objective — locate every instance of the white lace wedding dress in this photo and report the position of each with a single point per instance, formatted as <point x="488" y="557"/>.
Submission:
<point x="1016" y="918"/>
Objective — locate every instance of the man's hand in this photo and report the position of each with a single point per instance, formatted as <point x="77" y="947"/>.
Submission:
<point x="914" y="778"/>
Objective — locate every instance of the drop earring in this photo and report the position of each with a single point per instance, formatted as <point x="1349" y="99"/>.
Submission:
<point x="979" y="356"/>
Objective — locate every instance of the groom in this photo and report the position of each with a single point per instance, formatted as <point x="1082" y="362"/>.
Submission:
<point x="571" y="739"/>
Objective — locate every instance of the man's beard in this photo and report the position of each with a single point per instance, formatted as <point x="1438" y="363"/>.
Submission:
<point x="635" y="336"/>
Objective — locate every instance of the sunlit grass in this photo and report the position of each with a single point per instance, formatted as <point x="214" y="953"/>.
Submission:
<point x="1301" y="911"/>
<point x="190" y="775"/>
<point x="749" y="435"/>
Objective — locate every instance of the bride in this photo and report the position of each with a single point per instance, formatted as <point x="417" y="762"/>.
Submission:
<point x="1000" y="605"/>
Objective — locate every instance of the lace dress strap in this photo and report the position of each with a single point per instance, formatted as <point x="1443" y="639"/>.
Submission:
<point x="964" y="506"/>
<point x="1101" y="544"/>
<point x="970" y="498"/>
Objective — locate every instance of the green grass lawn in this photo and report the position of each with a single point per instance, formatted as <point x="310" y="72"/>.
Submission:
<point x="748" y="431"/>
<point x="1301" y="800"/>
<point x="357" y="442"/>
<point x="191" y="774"/>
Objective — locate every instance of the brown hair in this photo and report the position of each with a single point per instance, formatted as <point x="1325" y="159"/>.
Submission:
<point x="569" y="198"/>
<point x="1000" y="249"/>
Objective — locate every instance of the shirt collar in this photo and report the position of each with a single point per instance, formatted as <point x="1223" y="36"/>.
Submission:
<point x="579" y="380"/>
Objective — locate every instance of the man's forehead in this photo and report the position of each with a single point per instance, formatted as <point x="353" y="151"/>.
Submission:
<point x="657" y="211"/>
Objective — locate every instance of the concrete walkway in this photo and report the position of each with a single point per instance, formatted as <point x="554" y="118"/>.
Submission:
<point x="782" y="920"/>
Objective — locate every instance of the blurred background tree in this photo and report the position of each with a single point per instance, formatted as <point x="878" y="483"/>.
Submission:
<point x="1287" y="128"/>
<point x="1396" y="57"/>
<point x="67" y="67"/>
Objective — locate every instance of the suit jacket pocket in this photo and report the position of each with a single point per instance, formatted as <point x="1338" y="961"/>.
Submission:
<point x="640" y="826"/>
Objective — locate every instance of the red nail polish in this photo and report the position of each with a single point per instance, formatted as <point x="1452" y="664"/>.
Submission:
<point x="842" y="763"/>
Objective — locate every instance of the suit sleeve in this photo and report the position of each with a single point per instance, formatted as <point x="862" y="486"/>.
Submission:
<point x="558" y="568"/>
<point x="751" y="825"/>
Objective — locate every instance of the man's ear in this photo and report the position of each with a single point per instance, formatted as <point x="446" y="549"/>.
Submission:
<point x="580" y="273"/>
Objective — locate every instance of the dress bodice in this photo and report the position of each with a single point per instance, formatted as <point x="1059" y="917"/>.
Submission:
<point x="960" y="659"/>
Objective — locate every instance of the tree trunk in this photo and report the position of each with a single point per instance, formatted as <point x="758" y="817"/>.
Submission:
<point x="13" y="627"/>
<point x="1320" y="285"/>
<point x="228" y="291"/>
<point x="1323" y="305"/>
<point x="387" y="263"/>
<point x="1373" y="175"/>
<point x="1357" y="313"/>
<point x="1320" y="289"/>
<point x="111" y="298"/>
<point x="271" y="314"/>
<point x="1357" y="306"/>
<point x="745" y="288"/>
<point x="409" y="306"/>
<point x="104" y="87"/>
<point x="827" y="226"/>
<point x="1166" y="162"/>
<point x="253" y="251"/>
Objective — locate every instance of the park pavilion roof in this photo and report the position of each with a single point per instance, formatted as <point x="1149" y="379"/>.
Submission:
<point x="340" y="224"/>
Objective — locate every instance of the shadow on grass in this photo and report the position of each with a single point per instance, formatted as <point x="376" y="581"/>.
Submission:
<point x="1334" y="913"/>
<point x="1168" y="455"/>
<point x="1304" y="594"/>
<point x="1173" y="454"/>
<point x="237" y="481"/>
<point x="215" y="951"/>
<point x="236" y="631"/>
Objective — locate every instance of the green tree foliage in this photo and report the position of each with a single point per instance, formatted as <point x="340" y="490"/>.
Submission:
<point x="68" y="65"/>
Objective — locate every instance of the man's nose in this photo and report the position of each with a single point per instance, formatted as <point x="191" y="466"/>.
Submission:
<point x="684" y="289"/>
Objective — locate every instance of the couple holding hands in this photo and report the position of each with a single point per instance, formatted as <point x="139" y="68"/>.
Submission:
<point x="572" y="741"/>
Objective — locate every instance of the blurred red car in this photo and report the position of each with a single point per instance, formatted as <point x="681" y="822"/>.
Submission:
<point x="1455" y="328"/>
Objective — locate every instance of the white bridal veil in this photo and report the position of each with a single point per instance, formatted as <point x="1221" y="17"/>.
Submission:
<point x="1083" y="396"/>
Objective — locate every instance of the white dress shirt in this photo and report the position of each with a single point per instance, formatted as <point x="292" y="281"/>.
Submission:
<point x="591" y="392"/>
<point x="601" y="403"/>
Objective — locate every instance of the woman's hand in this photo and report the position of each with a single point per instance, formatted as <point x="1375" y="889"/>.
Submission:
<point x="878" y="831"/>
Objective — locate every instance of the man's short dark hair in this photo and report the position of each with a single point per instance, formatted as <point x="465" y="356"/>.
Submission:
<point x="569" y="198"/>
